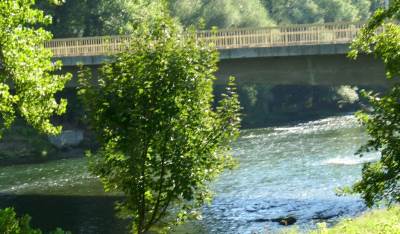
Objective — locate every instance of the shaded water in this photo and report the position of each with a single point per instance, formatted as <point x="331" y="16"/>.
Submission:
<point x="283" y="171"/>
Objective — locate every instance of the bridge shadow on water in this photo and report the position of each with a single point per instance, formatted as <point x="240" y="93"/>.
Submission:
<point x="78" y="214"/>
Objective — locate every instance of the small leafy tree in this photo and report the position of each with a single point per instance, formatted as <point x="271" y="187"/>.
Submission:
<point x="381" y="179"/>
<point x="27" y="82"/>
<point x="162" y="142"/>
<point x="11" y="224"/>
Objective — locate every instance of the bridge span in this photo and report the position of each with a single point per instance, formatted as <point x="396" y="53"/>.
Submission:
<point x="312" y="54"/>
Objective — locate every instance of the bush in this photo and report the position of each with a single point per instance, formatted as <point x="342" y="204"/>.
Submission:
<point x="11" y="224"/>
<point x="378" y="221"/>
<point x="384" y="221"/>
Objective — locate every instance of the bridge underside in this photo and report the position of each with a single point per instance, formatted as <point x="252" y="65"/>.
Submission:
<point x="310" y="69"/>
<point x="330" y="69"/>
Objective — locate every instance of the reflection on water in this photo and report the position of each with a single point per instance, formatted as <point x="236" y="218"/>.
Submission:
<point x="283" y="171"/>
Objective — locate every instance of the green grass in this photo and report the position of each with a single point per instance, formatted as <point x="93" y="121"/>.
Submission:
<point x="383" y="221"/>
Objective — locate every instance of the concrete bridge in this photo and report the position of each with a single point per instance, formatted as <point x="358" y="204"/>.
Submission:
<point x="312" y="54"/>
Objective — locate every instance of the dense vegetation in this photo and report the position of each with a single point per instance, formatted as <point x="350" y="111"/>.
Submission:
<point x="161" y="139"/>
<point x="11" y="224"/>
<point x="380" y="180"/>
<point x="27" y="81"/>
<point x="385" y="221"/>
<point x="103" y="17"/>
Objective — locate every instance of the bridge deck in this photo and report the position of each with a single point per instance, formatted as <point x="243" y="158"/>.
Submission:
<point x="292" y="35"/>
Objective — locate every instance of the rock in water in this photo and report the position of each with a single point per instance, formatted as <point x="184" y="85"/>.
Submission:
<point x="285" y="221"/>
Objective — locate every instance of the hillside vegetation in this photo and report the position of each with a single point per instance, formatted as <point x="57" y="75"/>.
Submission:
<point x="76" y="18"/>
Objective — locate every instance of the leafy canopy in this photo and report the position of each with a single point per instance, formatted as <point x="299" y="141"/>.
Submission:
<point x="105" y="17"/>
<point x="161" y="139"/>
<point x="11" y="224"/>
<point x="381" y="179"/>
<point x="82" y="18"/>
<point x="27" y="82"/>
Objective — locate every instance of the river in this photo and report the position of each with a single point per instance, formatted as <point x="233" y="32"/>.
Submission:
<point x="292" y="170"/>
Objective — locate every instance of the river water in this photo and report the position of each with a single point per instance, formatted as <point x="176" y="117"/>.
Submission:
<point x="292" y="170"/>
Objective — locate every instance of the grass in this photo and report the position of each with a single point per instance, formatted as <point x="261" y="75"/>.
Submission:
<point x="382" y="221"/>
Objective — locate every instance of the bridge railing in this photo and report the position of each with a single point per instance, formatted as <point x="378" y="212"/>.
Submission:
<point x="311" y="34"/>
<point x="307" y="34"/>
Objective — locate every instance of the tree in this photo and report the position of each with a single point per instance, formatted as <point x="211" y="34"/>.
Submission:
<point x="161" y="140"/>
<point x="27" y="82"/>
<point x="83" y="18"/>
<point x="381" y="179"/>
<point x="11" y="224"/>
<point x="222" y="13"/>
<point x="317" y="11"/>
<point x="235" y="14"/>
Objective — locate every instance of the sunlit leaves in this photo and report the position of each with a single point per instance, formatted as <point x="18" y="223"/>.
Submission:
<point x="162" y="140"/>
<point x="27" y="82"/>
<point x="381" y="180"/>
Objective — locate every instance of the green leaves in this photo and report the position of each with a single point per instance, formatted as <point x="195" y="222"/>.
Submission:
<point x="162" y="140"/>
<point x="27" y="80"/>
<point x="381" y="180"/>
<point x="11" y="224"/>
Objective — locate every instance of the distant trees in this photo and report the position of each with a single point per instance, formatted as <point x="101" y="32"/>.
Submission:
<point x="161" y="139"/>
<point x="78" y="18"/>
<point x="381" y="179"/>
<point x="222" y="13"/>
<point x="317" y="11"/>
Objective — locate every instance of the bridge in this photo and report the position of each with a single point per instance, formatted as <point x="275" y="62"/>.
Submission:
<point x="294" y="54"/>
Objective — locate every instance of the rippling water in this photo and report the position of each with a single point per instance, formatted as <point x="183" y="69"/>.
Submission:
<point x="291" y="170"/>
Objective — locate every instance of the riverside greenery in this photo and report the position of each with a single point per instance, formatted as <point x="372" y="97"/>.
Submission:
<point x="11" y="224"/>
<point x="385" y="221"/>
<point x="161" y="139"/>
<point x="381" y="179"/>
<point x="105" y="17"/>
<point x="27" y="80"/>
<point x="27" y="83"/>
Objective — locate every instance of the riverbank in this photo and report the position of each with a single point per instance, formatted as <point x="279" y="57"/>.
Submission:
<point x="21" y="144"/>
<point x="383" y="221"/>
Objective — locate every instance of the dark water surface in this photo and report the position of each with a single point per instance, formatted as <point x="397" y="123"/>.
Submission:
<point x="283" y="171"/>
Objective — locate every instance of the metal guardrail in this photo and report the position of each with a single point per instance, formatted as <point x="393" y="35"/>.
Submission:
<point x="303" y="34"/>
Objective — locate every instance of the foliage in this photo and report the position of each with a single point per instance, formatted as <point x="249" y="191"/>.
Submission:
<point x="378" y="221"/>
<point x="77" y="18"/>
<point x="10" y="224"/>
<point x="385" y="221"/>
<point x="222" y="13"/>
<point x="86" y="17"/>
<point x="27" y="83"/>
<point x="381" y="180"/>
<point x="227" y="13"/>
<point x="162" y="141"/>
<point x="22" y="143"/>
<point x="317" y="11"/>
<point x="82" y="18"/>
